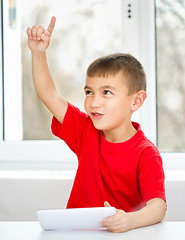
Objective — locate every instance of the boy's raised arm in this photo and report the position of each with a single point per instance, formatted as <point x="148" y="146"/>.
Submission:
<point x="38" y="42"/>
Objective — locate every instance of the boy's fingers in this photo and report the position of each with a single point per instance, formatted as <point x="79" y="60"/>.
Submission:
<point x="44" y="37"/>
<point x="40" y="30"/>
<point x="40" y="33"/>
<point x="34" y="32"/>
<point x="29" y="32"/>
<point x="51" y="26"/>
<point x="102" y="223"/>
<point x="112" y="219"/>
<point x="111" y="227"/>
<point x="106" y="204"/>
<point x="115" y="229"/>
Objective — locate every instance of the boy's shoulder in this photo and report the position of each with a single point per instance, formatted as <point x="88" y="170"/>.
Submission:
<point x="149" y="154"/>
<point x="150" y="146"/>
<point x="145" y="145"/>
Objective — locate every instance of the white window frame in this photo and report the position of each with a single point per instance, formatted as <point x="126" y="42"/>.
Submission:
<point x="1" y="82"/>
<point x="139" y="40"/>
<point x="12" y="75"/>
<point x="16" y="153"/>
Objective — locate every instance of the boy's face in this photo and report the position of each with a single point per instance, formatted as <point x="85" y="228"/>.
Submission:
<point x="107" y="102"/>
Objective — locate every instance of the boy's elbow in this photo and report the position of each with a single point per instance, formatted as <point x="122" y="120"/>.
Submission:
<point x="39" y="96"/>
<point x="158" y="209"/>
<point x="163" y="209"/>
<point x="38" y="93"/>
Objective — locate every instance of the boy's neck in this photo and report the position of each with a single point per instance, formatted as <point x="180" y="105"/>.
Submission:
<point x="120" y="135"/>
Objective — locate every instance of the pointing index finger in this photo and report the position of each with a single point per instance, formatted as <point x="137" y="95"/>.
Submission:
<point x="51" y="25"/>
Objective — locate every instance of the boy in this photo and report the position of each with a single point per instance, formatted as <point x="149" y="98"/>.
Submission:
<point x="117" y="165"/>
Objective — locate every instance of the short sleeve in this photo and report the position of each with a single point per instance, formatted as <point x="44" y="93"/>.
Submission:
<point x="151" y="175"/>
<point x="71" y="129"/>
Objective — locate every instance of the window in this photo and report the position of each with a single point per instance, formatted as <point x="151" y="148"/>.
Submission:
<point x="85" y="30"/>
<point x="170" y="77"/>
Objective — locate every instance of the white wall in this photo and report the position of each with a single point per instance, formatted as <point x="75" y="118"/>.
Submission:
<point x="21" y="198"/>
<point x="175" y="193"/>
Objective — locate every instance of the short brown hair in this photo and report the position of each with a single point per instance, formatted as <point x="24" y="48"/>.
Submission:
<point x="132" y="69"/>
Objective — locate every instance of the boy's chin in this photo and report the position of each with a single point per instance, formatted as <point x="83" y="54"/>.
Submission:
<point x="98" y="127"/>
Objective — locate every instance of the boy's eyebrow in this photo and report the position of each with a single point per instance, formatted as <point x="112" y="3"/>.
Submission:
<point x="103" y="87"/>
<point x="87" y="87"/>
<point x="108" y="87"/>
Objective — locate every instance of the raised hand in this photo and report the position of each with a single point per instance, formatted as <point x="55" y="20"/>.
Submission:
<point x="39" y="38"/>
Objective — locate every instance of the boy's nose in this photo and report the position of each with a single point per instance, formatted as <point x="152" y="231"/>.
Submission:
<point x="96" y="102"/>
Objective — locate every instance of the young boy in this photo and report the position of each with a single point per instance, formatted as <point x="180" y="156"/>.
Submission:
<point x="117" y="165"/>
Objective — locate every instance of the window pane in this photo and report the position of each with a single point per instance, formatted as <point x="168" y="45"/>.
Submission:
<point x="84" y="31"/>
<point x="171" y="75"/>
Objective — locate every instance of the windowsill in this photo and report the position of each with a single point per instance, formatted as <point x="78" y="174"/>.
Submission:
<point x="175" y="175"/>
<point x="69" y="175"/>
<point x="49" y="175"/>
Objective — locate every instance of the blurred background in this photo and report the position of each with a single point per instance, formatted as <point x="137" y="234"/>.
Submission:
<point x="86" y="30"/>
<point x="170" y="26"/>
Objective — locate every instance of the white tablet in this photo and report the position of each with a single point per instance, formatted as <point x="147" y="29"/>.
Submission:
<point x="74" y="218"/>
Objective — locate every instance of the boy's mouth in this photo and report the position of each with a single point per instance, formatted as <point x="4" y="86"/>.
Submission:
<point x="96" y="115"/>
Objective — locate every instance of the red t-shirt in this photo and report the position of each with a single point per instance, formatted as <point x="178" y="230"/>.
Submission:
<point x="126" y="174"/>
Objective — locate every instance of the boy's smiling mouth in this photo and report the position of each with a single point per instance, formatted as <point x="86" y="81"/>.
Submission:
<point x="96" y="115"/>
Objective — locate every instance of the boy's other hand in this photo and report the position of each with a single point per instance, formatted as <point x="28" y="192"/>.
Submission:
<point x="120" y="222"/>
<point x="39" y="38"/>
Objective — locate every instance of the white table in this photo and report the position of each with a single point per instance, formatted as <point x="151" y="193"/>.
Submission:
<point x="33" y="231"/>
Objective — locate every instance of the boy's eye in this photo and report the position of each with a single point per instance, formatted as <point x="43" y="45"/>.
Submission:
<point x="107" y="92"/>
<point x="88" y="92"/>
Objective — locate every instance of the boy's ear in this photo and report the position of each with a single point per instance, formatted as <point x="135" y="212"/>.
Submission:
<point x="139" y="99"/>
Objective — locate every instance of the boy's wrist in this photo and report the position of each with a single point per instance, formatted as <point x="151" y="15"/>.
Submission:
<point x="38" y="53"/>
<point x="39" y="57"/>
<point x="130" y="217"/>
<point x="135" y="220"/>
